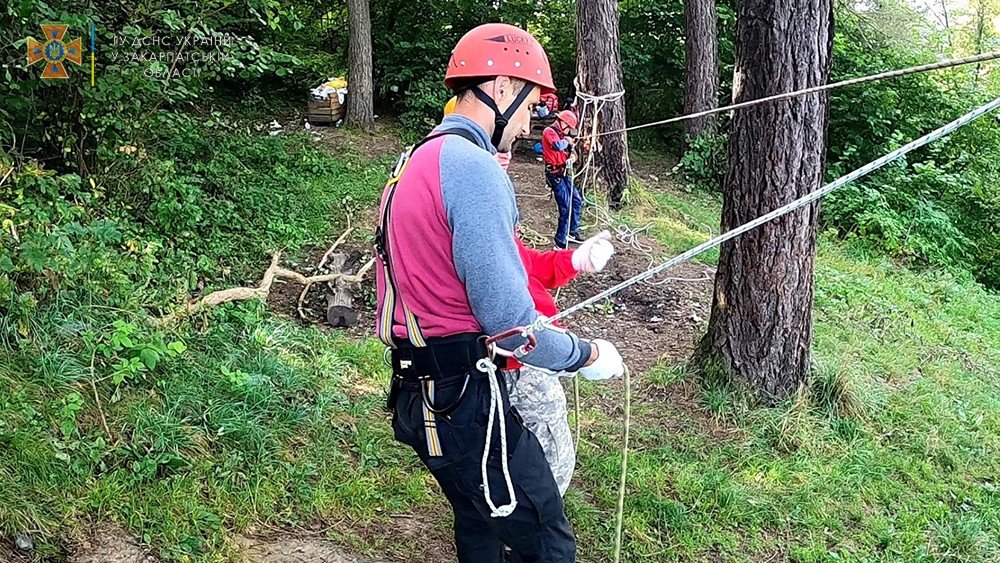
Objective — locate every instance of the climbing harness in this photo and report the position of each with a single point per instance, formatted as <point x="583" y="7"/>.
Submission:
<point x="386" y="317"/>
<point x="427" y="385"/>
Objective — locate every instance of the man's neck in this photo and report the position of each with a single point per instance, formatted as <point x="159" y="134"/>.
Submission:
<point x="478" y="114"/>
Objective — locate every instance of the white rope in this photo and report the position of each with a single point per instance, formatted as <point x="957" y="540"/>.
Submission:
<point x="985" y="57"/>
<point x="602" y="216"/>
<point x="597" y="102"/>
<point x="779" y="212"/>
<point x="486" y="366"/>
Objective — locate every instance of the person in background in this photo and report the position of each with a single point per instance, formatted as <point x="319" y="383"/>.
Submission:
<point x="557" y="146"/>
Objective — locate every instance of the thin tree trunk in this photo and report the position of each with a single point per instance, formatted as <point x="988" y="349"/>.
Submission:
<point x="947" y="23"/>
<point x="701" y="81"/>
<point x="360" y="92"/>
<point x="980" y="30"/>
<point x="599" y="70"/>
<point x="760" y="329"/>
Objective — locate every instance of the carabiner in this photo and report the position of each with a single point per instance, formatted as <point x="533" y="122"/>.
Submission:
<point x="520" y="351"/>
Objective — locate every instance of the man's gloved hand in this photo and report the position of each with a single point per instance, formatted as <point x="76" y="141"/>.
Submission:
<point x="593" y="255"/>
<point x="607" y="365"/>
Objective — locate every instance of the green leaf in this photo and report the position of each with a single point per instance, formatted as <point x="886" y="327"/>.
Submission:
<point x="149" y="357"/>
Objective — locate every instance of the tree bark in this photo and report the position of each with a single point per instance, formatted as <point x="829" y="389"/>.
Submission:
<point x="360" y="92"/>
<point x="599" y="71"/>
<point x="760" y="330"/>
<point x="701" y="80"/>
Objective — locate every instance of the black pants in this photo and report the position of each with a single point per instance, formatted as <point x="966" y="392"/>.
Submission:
<point x="537" y="530"/>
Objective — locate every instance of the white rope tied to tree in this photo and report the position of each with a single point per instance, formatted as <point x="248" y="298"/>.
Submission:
<point x="487" y="366"/>
<point x="779" y="212"/>
<point x="625" y="234"/>
<point x="597" y="102"/>
<point x="985" y="57"/>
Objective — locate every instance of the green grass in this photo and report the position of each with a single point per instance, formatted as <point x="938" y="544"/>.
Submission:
<point x="891" y="456"/>
<point x="257" y="421"/>
<point x="246" y="421"/>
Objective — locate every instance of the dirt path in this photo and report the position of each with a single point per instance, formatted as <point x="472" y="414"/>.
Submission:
<point x="648" y="323"/>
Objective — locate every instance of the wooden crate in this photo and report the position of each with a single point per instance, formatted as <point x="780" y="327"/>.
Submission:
<point x="325" y="111"/>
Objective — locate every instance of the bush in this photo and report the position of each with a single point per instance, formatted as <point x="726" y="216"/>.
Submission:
<point x="199" y="210"/>
<point x="704" y="162"/>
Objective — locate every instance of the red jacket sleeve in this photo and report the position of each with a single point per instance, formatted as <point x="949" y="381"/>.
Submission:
<point x="552" y="269"/>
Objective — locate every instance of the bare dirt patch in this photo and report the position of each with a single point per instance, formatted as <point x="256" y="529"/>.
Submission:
<point x="648" y="323"/>
<point x="111" y="544"/>
<point x="298" y="549"/>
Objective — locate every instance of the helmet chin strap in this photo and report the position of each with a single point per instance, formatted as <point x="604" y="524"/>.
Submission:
<point x="501" y="119"/>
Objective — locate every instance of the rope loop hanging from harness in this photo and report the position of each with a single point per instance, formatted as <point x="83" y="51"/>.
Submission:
<point x="487" y="366"/>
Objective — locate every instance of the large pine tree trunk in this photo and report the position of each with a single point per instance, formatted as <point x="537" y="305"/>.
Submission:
<point x="701" y="81"/>
<point x="760" y="329"/>
<point x="360" y="95"/>
<point x="599" y="70"/>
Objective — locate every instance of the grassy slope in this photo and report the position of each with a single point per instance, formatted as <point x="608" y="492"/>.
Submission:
<point x="893" y="456"/>
<point x="261" y="423"/>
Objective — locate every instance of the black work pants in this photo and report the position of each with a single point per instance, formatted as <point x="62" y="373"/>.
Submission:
<point x="537" y="530"/>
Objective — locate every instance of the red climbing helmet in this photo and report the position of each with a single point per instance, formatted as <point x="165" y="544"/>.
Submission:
<point x="498" y="49"/>
<point x="569" y="118"/>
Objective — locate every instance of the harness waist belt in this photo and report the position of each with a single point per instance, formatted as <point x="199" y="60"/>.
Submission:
<point x="441" y="358"/>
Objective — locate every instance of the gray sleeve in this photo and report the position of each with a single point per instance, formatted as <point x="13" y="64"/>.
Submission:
<point x="479" y="202"/>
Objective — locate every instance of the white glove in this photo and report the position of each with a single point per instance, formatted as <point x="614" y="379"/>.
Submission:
<point x="593" y="255"/>
<point x="608" y="365"/>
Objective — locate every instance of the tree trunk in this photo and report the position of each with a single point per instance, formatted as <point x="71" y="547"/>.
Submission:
<point x="599" y="71"/>
<point x="701" y="80"/>
<point x="360" y="96"/>
<point x="760" y="328"/>
<point x="340" y="311"/>
<point x="980" y="30"/>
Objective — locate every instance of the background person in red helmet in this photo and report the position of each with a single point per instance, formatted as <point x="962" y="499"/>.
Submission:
<point x="557" y="145"/>
<point x="451" y="274"/>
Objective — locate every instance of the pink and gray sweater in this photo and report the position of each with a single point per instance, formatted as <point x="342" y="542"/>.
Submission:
<point x="454" y="254"/>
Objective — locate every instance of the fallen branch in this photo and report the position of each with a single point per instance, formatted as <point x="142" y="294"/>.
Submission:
<point x="343" y="237"/>
<point x="353" y="278"/>
<point x="262" y="291"/>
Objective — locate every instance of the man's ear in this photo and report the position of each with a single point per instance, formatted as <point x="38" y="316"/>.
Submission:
<point x="502" y="87"/>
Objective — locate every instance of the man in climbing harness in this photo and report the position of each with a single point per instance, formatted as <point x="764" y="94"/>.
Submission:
<point x="557" y="146"/>
<point x="451" y="280"/>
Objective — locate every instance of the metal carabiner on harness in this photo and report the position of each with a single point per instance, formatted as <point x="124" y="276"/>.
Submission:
<point x="520" y="351"/>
